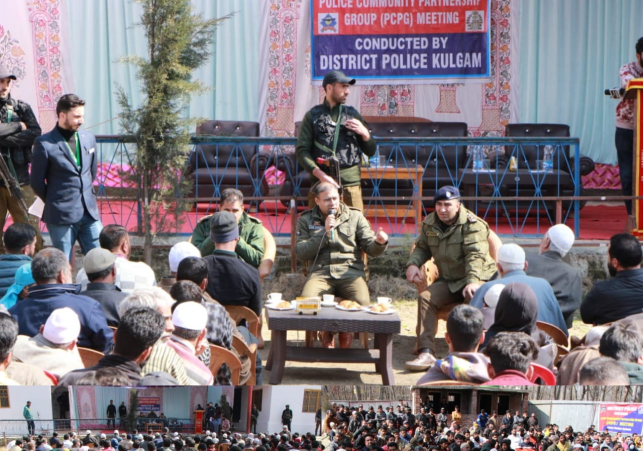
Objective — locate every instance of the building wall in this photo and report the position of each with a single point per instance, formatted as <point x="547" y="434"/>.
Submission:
<point x="470" y="400"/>
<point x="11" y="420"/>
<point x="275" y="399"/>
<point x="579" y="414"/>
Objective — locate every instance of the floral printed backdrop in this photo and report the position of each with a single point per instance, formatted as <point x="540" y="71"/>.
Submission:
<point x="33" y="45"/>
<point x="286" y="91"/>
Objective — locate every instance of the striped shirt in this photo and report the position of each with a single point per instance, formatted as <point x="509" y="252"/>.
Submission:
<point x="165" y="359"/>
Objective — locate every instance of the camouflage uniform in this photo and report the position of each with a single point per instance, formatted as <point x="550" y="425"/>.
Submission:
<point x="316" y="137"/>
<point x="461" y="254"/>
<point x="339" y="268"/>
<point x="250" y="247"/>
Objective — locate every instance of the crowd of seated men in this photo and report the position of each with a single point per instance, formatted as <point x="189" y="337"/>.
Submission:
<point x="154" y="336"/>
<point x="358" y="429"/>
<point x="145" y="334"/>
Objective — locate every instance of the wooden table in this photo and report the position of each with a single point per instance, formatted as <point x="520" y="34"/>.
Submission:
<point x="400" y="172"/>
<point x="332" y="320"/>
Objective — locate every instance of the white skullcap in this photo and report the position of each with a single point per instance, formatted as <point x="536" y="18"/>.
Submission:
<point x="561" y="237"/>
<point x="492" y="295"/>
<point x="176" y="434"/>
<point x="88" y="432"/>
<point x="593" y="336"/>
<point x="116" y="432"/>
<point x="62" y="326"/>
<point x="180" y="251"/>
<point x="250" y="435"/>
<point x="103" y="436"/>
<point x="190" y="315"/>
<point x="511" y="253"/>
<point x="207" y="432"/>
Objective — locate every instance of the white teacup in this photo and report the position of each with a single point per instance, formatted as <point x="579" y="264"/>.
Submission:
<point x="328" y="298"/>
<point x="274" y="298"/>
<point x="384" y="300"/>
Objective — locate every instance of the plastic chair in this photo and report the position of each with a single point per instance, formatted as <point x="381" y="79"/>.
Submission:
<point x="239" y="312"/>
<point x="90" y="357"/>
<point x="559" y="337"/>
<point x="219" y="356"/>
<point x="542" y="373"/>
<point x="51" y="376"/>
<point x="242" y="349"/>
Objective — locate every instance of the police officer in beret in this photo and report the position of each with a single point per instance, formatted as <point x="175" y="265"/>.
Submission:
<point x="333" y="129"/>
<point x="456" y="239"/>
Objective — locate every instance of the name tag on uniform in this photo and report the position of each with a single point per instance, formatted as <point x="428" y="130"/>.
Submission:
<point x="315" y="227"/>
<point x="431" y="233"/>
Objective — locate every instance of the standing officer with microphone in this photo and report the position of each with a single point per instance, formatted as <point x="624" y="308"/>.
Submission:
<point x="332" y="237"/>
<point x="625" y="113"/>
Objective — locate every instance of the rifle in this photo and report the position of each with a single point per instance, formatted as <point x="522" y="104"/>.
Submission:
<point x="13" y="186"/>
<point x="332" y="163"/>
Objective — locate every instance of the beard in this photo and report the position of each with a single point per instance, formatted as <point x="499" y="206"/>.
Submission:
<point x="611" y="269"/>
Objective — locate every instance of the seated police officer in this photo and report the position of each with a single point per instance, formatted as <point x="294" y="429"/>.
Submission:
<point x="332" y="237"/>
<point x="456" y="239"/>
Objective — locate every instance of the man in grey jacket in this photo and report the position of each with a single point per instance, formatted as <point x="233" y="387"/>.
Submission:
<point x="548" y="264"/>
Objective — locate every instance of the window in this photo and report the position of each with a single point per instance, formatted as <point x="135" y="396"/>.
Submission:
<point x="257" y="399"/>
<point x="312" y="398"/>
<point x="4" y="397"/>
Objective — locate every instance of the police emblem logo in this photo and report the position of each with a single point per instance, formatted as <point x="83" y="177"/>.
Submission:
<point x="327" y="23"/>
<point x="474" y="21"/>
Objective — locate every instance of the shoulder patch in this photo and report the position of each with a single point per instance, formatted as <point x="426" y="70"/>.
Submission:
<point x="255" y="220"/>
<point x="205" y="218"/>
<point x="472" y="218"/>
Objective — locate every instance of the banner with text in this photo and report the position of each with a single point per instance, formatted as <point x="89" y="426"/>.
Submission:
<point x="401" y="40"/>
<point x="149" y="404"/>
<point x="625" y="418"/>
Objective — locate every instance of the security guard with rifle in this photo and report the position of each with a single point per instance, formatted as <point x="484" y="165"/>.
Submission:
<point x="331" y="141"/>
<point x="18" y="130"/>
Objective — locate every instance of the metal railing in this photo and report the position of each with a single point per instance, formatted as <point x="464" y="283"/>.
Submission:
<point x="398" y="196"/>
<point x="17" y="428"/>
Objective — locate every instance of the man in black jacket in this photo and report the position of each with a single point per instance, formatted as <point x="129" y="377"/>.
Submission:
<point x="100" y="268"/>
<point x="18" y="130"/>
<point x="620" y="296"/>
<point x="111" y="414"/>
<point x="286" y="417"/>
<point x="231" y="281"/>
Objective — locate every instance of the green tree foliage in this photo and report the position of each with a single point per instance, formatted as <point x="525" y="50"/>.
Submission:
<point x="132" y="410"/>
<point x="226" y="410"/>
<point x="178" y="42"/>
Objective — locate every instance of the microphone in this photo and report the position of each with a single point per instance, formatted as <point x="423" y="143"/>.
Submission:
<point x="332" y="212"/>
<point x="615" y="93"/>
